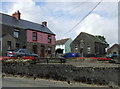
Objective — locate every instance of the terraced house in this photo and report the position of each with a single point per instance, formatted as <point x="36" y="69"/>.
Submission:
<point x="19" y="33"/>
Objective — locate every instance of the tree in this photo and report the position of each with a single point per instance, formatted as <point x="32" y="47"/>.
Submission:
<point x="103" y="39"/>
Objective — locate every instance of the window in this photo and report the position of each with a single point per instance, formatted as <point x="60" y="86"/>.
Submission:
<point x="49" y="50"/>
<point x="16" y="33"/>
<point x="17" y="45"/>
<point x="34" y="36"/>
<point x="76" y="47"/>
<point x="0" y="46"/>
<point x="35" y="49"/>
<point x="9" y="45"/>
<point x="49" y="39"/>
<point x="88" y="49"/>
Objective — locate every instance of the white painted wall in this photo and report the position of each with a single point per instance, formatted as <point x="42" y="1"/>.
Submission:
<point x="61" y="47"/>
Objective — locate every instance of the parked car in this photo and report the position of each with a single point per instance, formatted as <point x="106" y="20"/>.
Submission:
<point x="20" y="53"/>
<point x="68" y="55"/>
<point x="111" y="56"/>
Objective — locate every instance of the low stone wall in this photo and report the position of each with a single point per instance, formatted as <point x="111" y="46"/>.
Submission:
<point x="63" y="72"/>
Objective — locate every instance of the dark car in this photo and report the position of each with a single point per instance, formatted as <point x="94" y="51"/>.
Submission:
<point x="68" y="55"/>
<point x="20" y="53"/>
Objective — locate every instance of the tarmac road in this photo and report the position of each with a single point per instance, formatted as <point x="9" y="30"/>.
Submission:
<point x="30" y="82"/>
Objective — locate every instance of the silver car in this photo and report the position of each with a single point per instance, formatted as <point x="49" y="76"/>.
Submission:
<point x="20" y="53"/>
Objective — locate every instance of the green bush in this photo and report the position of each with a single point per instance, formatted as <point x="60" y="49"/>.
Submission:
<point x="118" y="58"/>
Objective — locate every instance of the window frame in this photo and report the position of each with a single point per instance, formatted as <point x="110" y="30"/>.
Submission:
<point x="17" y="45"/>
<point x="88" y="49"/>
<point x="34" y="49"/>
<point x="49" y="39"/>
<point x="16" y="31"/>
<point x="34" y="36"/>
<point x="9" y="44"/>
<point x="49" y="50"/>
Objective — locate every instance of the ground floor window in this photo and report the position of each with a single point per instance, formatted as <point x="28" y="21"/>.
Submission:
<point x="17" y="45"/>
<point x="24" y="47"/>
<point x="9" y="45"/>
<point x="88" y="49"/>
<point x="49" y="50"/>
<point x="35" y="49"/>
<point x="0" y="46"/>
<point x="76" y="47"/>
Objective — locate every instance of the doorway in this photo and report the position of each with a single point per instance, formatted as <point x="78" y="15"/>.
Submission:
<point x="42" y="53"/>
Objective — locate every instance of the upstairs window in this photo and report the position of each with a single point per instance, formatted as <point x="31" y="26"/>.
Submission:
<point x="16" y="33"/>
<point x="49" y="39"/>
<point x="34" y="36"/>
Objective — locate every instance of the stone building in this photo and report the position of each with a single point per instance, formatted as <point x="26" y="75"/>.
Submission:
<point x="18" y="33"/>
<point x="88" y="45"/>
<point x="114" y="49"/>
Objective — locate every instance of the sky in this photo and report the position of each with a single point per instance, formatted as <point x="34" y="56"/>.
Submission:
<point x="62" y="15"/>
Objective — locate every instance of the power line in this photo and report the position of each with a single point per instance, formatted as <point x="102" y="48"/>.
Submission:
<point x="77" y="5"/>
<point x="83" y="18"/>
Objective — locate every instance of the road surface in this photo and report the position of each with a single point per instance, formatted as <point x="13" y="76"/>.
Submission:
<point x="30" y="82"/>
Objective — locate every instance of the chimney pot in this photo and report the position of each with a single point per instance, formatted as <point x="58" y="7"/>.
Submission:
<point x="16" y="15"/>
<point x="44" y="23"/>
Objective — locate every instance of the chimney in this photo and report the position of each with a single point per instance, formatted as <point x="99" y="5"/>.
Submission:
<point x="44" y="23"/>
<point x="16" y="15"/>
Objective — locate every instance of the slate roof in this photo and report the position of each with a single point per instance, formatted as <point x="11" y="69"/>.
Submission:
<point x="12" y="21"/>
<point x="94" y="38"/>
<point x="114" y="46"/>
<point x="62" y="41"/>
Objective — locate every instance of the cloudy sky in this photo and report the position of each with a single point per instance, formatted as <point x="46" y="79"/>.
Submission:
<point x="63" y="15"/>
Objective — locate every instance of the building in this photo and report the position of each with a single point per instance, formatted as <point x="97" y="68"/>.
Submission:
<point x="88" y="45"/>
<point x="19" y="33"/>
<point x="64" y="45"/>
<point x="115" y="49"/>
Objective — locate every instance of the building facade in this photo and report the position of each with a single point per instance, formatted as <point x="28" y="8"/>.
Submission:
<point x="114" y="49"/>
<point x="17" y="33"/>
<point x="64" y="44"/>
<point x="88" y="45"/>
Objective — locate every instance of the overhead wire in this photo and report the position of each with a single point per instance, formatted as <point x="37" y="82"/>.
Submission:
<point x="70" y="10"/>
<point x="83" y="18"/>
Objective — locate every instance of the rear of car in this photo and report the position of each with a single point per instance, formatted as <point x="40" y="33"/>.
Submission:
<point x="20" y="53"/>
<point x="68" y="55"/>
<point x="9" y="53"/>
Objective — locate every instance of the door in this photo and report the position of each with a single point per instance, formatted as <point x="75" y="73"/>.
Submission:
<point x="42" y="53"/>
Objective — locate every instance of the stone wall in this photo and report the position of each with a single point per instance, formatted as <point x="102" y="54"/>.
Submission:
<point x="62" y="72"/>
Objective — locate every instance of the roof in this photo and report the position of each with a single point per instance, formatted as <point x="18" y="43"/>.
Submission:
<point x="62" y="41"/>
<point x="5" y="34"/>
<point x="114" y="46"/>
<point x="12" y="21"/>
<point x="94" y="38"/>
